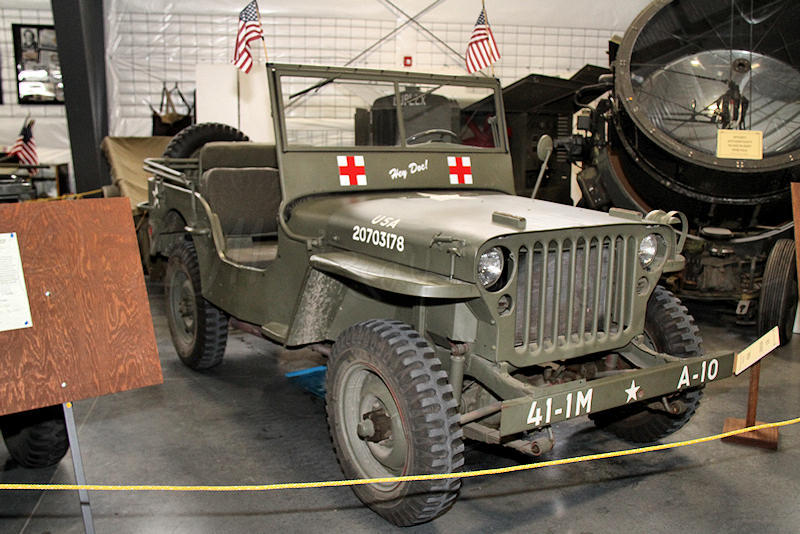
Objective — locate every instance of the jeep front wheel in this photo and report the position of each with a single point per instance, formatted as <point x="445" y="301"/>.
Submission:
<point x="668" y="328"/>
<point x="391" y="413"/>
<point x="199" y="330"/>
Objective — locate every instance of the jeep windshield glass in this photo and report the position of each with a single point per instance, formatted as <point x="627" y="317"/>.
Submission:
<point x="325" y="112"/>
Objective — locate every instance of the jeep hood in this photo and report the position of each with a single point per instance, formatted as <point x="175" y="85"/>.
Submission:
<point x="424" y="229"/>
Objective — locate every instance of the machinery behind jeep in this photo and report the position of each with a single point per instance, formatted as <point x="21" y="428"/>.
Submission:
<point x="382" y="230"/>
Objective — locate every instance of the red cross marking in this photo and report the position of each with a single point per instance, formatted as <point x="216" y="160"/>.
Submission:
<point x="351" y="170"/>
<point x="461" y="169"/>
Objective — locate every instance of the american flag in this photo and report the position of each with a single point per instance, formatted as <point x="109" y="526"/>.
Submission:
<point x="25" y="147"/>
<point x="249" y="30"/>
<point x="482" y="49"/>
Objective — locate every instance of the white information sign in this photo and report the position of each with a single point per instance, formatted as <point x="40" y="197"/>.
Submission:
<point x="15" y="311"/>
<point x="762" y="346"/>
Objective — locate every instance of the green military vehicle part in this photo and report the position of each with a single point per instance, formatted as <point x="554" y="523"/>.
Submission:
<point x="382" y="230"/>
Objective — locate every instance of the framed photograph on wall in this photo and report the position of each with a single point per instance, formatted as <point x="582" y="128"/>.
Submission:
<point x="38" y="67"/>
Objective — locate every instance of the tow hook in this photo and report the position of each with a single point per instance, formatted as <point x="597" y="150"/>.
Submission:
<point x="534" y="447"/>
<point x="675" y="407"/>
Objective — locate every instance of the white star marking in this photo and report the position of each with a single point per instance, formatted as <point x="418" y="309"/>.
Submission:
<point x="632" y="392"/>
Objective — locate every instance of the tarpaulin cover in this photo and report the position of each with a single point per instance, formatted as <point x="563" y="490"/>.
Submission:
<point x="126" y="155"/>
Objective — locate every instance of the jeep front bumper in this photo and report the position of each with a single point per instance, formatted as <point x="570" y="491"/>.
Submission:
<point x="582" y="397"/>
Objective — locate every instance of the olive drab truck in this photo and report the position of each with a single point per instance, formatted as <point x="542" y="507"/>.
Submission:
<point x="381" y="229"/>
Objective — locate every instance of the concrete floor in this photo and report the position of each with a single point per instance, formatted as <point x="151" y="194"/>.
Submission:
<point x="245" y="423"/>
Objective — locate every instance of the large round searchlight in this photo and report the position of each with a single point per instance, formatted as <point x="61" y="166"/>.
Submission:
<point x="686" y="71"/>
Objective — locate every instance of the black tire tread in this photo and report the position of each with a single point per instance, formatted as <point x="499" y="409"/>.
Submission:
<point x="778" y="290"/>
<point x="673" y="330"/>
<point x="36" y="438"/>
<point x="191" y="139"/>
<point x="212" y="328"/>
<point x="440" y="442"/>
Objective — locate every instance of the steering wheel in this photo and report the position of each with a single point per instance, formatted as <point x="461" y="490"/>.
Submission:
<point x="433" y="131"/>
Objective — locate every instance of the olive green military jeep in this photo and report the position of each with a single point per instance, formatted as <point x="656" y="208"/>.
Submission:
<point x="382" y="230"/>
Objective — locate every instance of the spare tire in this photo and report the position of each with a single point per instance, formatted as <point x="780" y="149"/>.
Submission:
<point x="188" y="142"/>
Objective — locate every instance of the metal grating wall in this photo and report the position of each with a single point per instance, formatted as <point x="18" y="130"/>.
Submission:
<point x="146" y="49"/>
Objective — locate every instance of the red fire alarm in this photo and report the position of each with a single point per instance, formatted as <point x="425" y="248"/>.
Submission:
<point x="407" y="61"/>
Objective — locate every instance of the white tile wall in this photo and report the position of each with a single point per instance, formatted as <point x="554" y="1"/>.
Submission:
<point x="146" y="49"/>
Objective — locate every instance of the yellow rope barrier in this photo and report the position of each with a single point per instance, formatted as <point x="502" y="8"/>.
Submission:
<point x="70" y="196"/>
<point x="409" y="478"/>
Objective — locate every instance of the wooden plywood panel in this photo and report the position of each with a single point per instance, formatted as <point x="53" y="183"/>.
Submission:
<point x="92" y="331"/>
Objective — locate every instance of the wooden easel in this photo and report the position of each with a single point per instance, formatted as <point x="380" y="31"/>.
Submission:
<point x="766" y="438"/>
<point x="92" y="333"/>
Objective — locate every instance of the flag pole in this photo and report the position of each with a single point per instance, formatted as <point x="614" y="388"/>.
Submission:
<point x="263" y="40"/>
<point x="483" y="6"/>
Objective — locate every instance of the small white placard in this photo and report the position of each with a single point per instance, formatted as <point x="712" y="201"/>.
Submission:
<point x="740" y="144"/>
<point x="15" y="311"/>
<point x="762" y="346"/>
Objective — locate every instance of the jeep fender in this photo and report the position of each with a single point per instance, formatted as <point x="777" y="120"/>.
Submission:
<point x="392" y="277"/>
<point x="339" y="291"/>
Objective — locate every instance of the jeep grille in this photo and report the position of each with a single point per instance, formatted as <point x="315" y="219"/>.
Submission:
<point x="577" y="291"/>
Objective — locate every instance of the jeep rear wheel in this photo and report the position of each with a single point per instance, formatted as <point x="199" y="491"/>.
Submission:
<point x="36" y="438"/>
<point x="199" y="329"/>
<point x="391" y="412"/>
<point x="670" y="329"/>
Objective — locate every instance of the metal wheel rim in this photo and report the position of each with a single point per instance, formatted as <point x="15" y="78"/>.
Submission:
<point x="362" y="390"/>
<point x="182" y="307"/>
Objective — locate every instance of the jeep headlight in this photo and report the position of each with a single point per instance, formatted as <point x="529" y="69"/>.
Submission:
<point x="490" y="267"/>
<point x="648" y="250"/>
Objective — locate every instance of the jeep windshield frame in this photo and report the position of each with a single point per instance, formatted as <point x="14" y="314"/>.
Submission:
<point x="398" y="166"/>
<point x="286" y="98"/>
